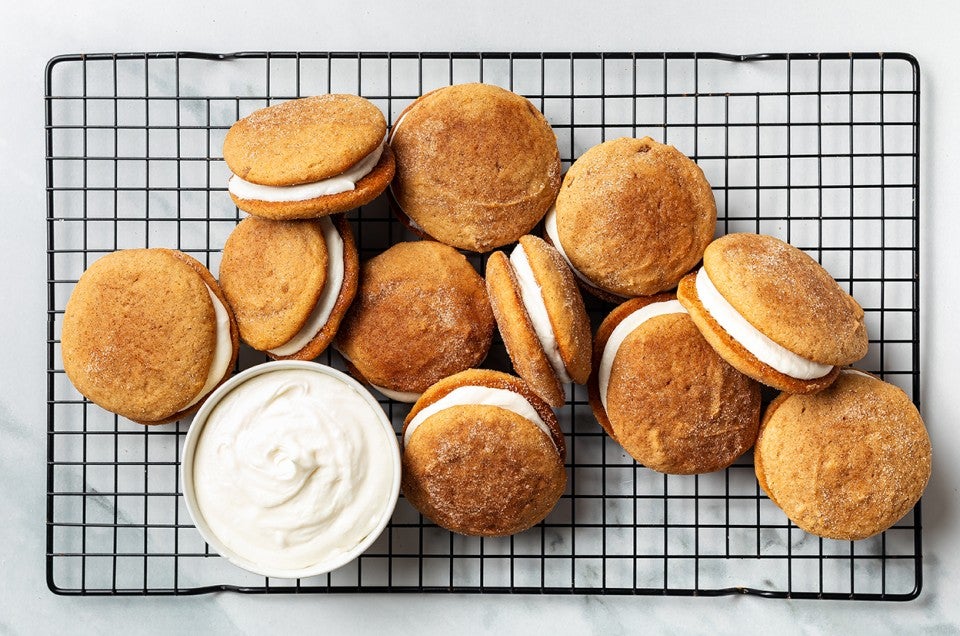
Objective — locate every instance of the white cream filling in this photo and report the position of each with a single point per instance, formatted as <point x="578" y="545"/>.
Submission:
<point x="763" y="348"/>
<point x="853" y="371"/>
<point x="413" y="223"/>
<point x="626" y="327"/>
<point x="480" y="395"/>
<point x="344" y="182"/>
<point x="393" y="129"/>
<point x="222" y="352"/>
<point x="399" y="396"/>
<point x="550" y="224"/>
<point x="328" y="295"/>
<point x="532" y="295"/>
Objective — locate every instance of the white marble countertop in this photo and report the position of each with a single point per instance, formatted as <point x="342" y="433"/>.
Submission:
<point x="31" y="33"/>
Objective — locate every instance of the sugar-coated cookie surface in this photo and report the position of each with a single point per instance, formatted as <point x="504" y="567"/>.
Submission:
<point x="272" y="273"/>
<point x="847" y="462"/>
<point x="303" y="140"/>
<point x="140" y="333"/>
<point x="672" y="402"/>
<point x="634" y="215"/>
<point x="477" y="166"/>
<point x="480" y="469"/>
<point x="421" y="314"/>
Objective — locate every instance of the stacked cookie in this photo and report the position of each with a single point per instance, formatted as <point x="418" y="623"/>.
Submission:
<point x="673" y="373"/>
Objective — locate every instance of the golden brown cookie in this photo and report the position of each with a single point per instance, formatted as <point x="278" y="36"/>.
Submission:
<point x="477" y="166"/>
<point x="290" y="282"/>
<point x="672" y="403"/>
<point x="308" y="157"/>
<point x="421" y="314"/>
<point x="483" y="455"/>
<point x="541" y="317"/>
<point x="847" y="462"/>
<point x="142" y="336"/>
<point x="774" y="313"/>
<point x="632" y="217"/>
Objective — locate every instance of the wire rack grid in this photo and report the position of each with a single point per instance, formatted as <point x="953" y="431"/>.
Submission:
<point x="821" y="149"/>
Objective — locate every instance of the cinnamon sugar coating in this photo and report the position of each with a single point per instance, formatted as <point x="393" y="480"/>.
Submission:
<point x="672" y="402"/>
<point x="477" y="165"/>
<point x="421" y="314"/>
<point x="847" y="462"/>
<point x="483" y="470"/>
<point x="139" y="333"/>
<point x="635" y="215"/>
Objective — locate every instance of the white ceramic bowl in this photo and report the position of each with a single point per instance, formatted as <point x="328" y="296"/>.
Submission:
<point x="187" y="472"/>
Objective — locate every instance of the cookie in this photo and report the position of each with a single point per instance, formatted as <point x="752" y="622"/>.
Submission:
<point x="632" y="217"/>
<point x="147" y="334"/>
<point x="663" y="394"/>
<point x="774" y="313"/>
<point x="421" y="314"/>
<point x="308" y="157"/>
<point x="847" y="462"/>
<point x="483" y="455"/>
<point x="290" y="282"/>
<point x="477" y="166"/>
<point x="541" y="317"/>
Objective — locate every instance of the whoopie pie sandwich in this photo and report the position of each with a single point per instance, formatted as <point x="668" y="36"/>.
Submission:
<point x="421" y="314"/>
<point x="483" y="455"/>
<point x="477" y="166"/>
<point x="774" y="313"/>
<point x="148" y="334"/>
<point x="541" y="317"/>
<point x="663" y="393"/>
<point x="632" y="217"/>
<point x="290" y="282"/>
<point x="308" y="157"/>
<point x="847" y="462"/>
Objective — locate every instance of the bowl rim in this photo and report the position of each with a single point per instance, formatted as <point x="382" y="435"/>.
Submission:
<point x="195" y="431"/>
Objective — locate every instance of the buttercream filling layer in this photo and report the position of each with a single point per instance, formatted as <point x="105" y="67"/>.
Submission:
<point x="762" y="347"/>
<point x="413" y="223"/>
<point x="222" y="352"/>
<point x="626" y="327"/>
<point x="328" y="295"/>
<point x="479" y="395"/>
<point x="550" y="224"/>
<point x="399" y="396"/>
<point x="344" y="182"/>
<point x="532" y="295"/>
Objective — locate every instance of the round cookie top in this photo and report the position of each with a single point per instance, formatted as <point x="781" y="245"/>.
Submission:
<point x="139" y="333"/>
<point x="272" y="272"/>
<point x="483" y="470"/>
<point x="421" y="314"/>
<point x="847" y="462"/>
<point x="303" y="140"/>
<point x="634" y="215"/>
<point x="672" y="402"/>
<point x="477" y="165"/>
<point x="788" y="296"/>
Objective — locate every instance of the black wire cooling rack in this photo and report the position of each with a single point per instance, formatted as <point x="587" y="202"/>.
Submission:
<point x="821" y="149"/>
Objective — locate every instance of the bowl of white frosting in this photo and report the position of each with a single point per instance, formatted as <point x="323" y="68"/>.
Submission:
<point x="290" y="469"/>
